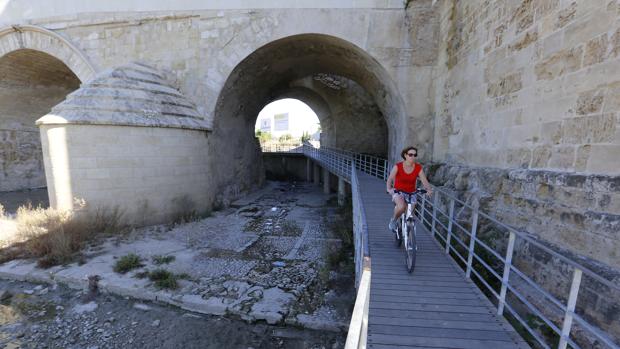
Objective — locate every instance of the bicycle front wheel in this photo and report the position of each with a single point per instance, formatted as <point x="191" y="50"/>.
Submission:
<point x="398" y="234"/>
<point x="411" y="248"/>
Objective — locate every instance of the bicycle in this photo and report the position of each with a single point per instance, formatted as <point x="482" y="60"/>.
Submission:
<point x="407" y="222"/>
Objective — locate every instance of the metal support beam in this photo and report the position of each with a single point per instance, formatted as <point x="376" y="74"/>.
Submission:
<point x="506" y="276"/>
<point x="451" y="219"/>
<point x="570" y="308"/>
<point x="308" y="170"/>
<point x="317" y="174"/>
<point x="341" y="191"/>
<point x="326" y="176"/>
<point x="472" y="243"/>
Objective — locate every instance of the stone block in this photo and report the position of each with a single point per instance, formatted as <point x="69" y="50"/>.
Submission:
<point x="612" y="98"/>
<point x="581" y="160"/>
<point x="564" y="61"/>
<point x="596" y="50"/>
<point x="524" y="41"/>
<point x="519" y="158"/>
<point x="604" y="159"/>
<point x="586" y="27"/>
<point x="589" y="129"/>
<point x="508" y="84"/>
<point x="540" y="156"/>
<point x="566" y="15"/>
<point x="615" y="43"/>
<point x="562" y="157"/>
<point x="524" y="15"/>
<point x="589" y="102"/>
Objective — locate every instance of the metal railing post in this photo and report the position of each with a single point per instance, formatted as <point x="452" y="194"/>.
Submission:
<point x="472" y="243"/>
<point x="506" y="276"/>
<point x="450" y="219"/>
<point x="435" y="199"/>
<point x="570" y="308"/>
<point x="422" y="209"/>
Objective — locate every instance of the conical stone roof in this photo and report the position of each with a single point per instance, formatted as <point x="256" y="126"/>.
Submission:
<point x="131" y="95"/>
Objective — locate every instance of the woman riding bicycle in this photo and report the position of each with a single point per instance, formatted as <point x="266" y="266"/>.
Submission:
<point x="403" y="177"/>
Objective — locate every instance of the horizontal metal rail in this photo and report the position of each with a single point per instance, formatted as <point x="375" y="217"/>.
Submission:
<point x="342" y="162"/>
<point x="281" y="148"/>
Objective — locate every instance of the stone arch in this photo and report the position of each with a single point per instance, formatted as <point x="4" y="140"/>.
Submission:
<point x="40" y="39"/>
<point x="312" y="99"/>
<point x="270" y="70"/>
<point x="39" y="68"/>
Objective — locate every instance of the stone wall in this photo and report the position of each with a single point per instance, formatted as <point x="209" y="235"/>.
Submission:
<point x="350" y="120"/>
<point x="575" y="212"/>
<point x="529" y="84"/>
<point x="151" y="174"/>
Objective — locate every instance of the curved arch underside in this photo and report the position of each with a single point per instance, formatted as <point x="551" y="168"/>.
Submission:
<point x="32" y="83"/>
<point x="353" y="95"/>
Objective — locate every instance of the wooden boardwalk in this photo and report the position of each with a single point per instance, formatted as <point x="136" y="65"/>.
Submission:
<point x="435" y="306"/>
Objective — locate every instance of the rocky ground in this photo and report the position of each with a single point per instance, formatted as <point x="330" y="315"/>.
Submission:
<point x="278" y="259"/>
<point x="42" y="316"/>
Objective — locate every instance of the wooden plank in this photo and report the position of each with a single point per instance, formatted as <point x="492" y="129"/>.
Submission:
<point x="441" y="342"/>
<point x="419" y="331"/>
<point x="445" y="324"/>
<point x="464" y="309"/>
<point x="409" y="314"/>
<point x="436" y="294"/>
<point x="383" y="346"/>
<point x="413" y="282"/>
<point x="415" y="299"/>
<point x="413" y="289"/>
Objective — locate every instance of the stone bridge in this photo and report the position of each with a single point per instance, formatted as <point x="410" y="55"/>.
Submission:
<point x="514" y="105"/>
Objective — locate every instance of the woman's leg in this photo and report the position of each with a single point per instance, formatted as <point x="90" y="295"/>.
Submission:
<point x="400" y="206"/>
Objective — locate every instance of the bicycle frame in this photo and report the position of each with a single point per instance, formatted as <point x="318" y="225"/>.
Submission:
<point x="408" y="216"/>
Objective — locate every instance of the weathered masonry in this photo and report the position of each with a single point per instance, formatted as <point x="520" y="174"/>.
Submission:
<point x="151" y="105"/>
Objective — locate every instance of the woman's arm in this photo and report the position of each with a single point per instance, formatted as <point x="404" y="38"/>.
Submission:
<point x="425" y="183"/>
<point x="389" y="185"/>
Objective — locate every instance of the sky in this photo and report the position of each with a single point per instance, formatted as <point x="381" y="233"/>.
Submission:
<point x="301" y="117"/>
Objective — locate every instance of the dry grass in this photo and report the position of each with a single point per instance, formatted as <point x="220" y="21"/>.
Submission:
<point x="56" y="237"/>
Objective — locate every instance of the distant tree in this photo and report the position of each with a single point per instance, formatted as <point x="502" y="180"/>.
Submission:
<point x="285" y="137"/>
<point x="305" y="136"/>
<point x="263" y="136"/>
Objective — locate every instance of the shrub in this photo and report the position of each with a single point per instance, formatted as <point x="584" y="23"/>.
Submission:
<point x="127" y="263"/>
<point x="56" y="236"/>
<point x="161" y="259"/>
<point x="163" y="279"/>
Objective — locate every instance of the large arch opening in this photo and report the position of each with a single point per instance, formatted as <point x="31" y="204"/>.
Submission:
<point x="359" y="102"/>
<point x="287" y="122"/>
<point x="31" y="83"/>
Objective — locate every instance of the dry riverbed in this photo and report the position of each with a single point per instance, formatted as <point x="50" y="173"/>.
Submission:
<point x="43" y="316"/>
<point x="273" y="268"/>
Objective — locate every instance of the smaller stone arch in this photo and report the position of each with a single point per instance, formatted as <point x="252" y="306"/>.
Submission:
<point x="40" y="39"/>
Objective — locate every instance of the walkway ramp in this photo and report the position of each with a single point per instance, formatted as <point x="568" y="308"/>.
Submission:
<point x="436" y="306"/>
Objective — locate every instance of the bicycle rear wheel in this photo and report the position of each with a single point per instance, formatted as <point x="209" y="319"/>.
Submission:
<point x="411" y="248"/>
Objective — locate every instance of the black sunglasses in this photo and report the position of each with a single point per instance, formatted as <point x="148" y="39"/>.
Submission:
<point x="414" y="155"/>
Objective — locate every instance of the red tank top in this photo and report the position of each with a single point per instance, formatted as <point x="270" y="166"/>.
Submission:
<point x="406" y="181"/>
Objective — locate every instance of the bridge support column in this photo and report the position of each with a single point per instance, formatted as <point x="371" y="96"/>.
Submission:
<point x="326" y="176"/>
<point x="308" y="170"/>
<point x="317" y="174"/>
<point x="342" y="192"/>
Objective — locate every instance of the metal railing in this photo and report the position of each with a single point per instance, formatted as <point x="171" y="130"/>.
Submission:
<point x="336" y="161"/>
<point x="442" y="215"/>
<point x="358" y="327"/>
<point x="281" y="148"/>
